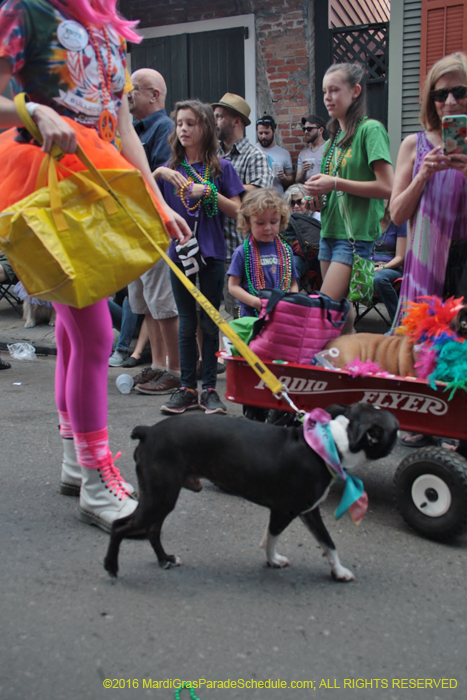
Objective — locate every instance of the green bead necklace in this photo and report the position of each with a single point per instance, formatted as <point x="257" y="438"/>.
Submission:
<point x="254" y="272"/>
<point x="209" y="197"/>
<point x="189" y="687"/>
<point x="342" y="154"/>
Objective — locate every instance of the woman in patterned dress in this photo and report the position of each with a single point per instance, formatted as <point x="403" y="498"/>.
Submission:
<point x="430" y="191"/>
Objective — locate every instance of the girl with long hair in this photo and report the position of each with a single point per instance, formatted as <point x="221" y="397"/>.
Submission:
<point x="203" y="189"/>
<point x="74" y="74"/>
<point x="356" y="176"/>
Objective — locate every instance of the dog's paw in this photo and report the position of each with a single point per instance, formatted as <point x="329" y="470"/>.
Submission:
<point x="29" y="324"/>
<point x="112" y="569"/>
<point x="170" y="562"/>
<point x="342" y="574"/>
<point x="278" y="562"/>
<point x="51" y="323"/>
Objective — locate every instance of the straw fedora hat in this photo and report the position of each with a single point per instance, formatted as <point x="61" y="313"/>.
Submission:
<point x="236" y="104"/>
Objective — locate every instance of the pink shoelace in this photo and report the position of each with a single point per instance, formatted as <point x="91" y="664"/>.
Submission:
<point x="111" y="477"/>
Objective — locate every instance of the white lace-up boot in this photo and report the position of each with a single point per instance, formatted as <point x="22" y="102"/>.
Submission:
<point x="104" y="496"/>
<point x="70" y="479"/>
<point x="71" y="476"/>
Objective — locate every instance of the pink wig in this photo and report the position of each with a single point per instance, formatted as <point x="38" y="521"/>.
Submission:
<point x="99" y="13"/>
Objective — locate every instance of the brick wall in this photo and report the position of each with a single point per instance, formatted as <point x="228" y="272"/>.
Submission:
<point x="284" y="47"/>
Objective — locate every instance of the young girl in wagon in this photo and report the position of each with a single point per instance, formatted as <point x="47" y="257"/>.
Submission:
<point x="264" y="260"/>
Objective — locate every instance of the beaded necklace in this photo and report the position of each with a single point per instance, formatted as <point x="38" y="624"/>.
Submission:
<point x="342" y="154"/>
<point x="254" y="270"/>
<point x="209" y="197"/>
<point x="107" y="124"/>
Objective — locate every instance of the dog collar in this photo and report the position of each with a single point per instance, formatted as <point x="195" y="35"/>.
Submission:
<point x="318" y="436"/>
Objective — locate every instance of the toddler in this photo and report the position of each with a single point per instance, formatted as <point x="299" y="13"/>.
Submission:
<point x="265" y="260"/>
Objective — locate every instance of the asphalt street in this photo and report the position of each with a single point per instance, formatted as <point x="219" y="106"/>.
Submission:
<point x="223" y="616"/>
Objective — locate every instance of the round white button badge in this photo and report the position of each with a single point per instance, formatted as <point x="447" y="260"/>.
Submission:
<point x="72" y="36"/>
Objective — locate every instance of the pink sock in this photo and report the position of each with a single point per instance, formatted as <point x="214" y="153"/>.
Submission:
<point x="92" y="449"/>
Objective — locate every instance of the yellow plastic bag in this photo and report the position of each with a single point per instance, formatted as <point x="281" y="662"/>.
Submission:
<point x="80" y="240"/>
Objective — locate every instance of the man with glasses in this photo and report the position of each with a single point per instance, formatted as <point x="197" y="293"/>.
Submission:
<point x="315" y="135"/>
<point x="280" y="160"/>
<point x="151" y="294"/>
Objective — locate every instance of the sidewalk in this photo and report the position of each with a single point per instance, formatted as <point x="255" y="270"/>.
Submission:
<point x="42" y="337"/>
<point x="12" y="330"/>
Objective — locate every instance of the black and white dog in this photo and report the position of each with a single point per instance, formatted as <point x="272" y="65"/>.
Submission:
<point x="268" y="465"/>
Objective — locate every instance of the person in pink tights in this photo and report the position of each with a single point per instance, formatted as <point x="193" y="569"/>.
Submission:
<point x="74" y="75"/>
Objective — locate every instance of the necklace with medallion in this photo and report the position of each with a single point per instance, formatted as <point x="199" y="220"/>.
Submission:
<point x="331" y="157"/>
<point x="107" y="124"/>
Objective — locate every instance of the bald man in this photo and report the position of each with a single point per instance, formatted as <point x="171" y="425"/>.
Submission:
<point x="151" y="294"/>
<point x="147" y="106"/>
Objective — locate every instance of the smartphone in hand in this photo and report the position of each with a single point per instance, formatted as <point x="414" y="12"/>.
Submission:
<point x="454" y="131"/>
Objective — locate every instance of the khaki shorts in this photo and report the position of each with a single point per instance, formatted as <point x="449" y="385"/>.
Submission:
<point x="152" y="293"/>
<point x="232" y="305"/>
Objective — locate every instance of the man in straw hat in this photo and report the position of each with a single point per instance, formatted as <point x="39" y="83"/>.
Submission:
<point x="232" y="115"/>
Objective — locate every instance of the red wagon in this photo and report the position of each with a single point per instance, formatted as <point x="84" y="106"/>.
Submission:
<point x="431" y="483"/>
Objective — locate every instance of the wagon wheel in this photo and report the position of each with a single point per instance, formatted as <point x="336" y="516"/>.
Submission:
<point x="431" y="492"/>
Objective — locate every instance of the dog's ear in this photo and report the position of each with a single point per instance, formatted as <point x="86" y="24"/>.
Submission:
<point x="364" y="435"/>
<point x="337" y="409"/>
<point x="371" y="430"/>
<point x="140" y="432"/>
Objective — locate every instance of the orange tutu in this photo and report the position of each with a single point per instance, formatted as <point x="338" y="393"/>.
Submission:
<point x="21" y="163"/>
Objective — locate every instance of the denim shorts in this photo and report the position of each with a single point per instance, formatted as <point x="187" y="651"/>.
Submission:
<point x="340" y="250"/>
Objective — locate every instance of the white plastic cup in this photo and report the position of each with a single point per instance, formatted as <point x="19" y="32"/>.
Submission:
<point x="276" y="168"/>
<point x="124" y="383"/>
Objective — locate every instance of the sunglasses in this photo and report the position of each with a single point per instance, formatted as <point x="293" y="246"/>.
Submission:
<point x="309" y="128"/>
<point x="265" y="122"/>
<point x="441" y="95"/>
<point x="297" y="202"/>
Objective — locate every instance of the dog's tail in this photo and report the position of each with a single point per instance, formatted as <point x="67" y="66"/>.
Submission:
<point x="140" y="432"/>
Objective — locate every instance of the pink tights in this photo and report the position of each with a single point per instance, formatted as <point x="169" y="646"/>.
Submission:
<point x="84" y="344"/>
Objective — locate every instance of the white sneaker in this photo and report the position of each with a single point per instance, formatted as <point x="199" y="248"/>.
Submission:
<point x="103" y="497"/>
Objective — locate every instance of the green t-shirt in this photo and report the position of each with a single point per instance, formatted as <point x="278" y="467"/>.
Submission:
<point x="370" y="143"/>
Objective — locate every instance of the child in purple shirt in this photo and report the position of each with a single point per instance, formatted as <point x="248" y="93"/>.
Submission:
<point x="265" y="260"/>
<point x="203" y="189"/>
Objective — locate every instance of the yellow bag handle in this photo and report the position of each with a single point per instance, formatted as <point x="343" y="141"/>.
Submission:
<point x="48" y="176"/>
<point x="271" y="381"/>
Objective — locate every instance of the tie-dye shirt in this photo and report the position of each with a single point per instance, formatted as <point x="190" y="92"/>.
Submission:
<point x="54" y="62"/>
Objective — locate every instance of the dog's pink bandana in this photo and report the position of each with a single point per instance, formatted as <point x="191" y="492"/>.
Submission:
<point x="317" y="433"/>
